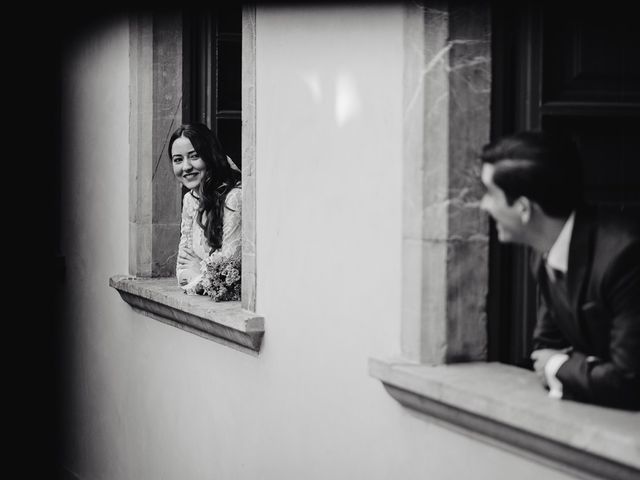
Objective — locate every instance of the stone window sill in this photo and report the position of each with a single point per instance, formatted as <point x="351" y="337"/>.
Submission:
<point x="164" y="300"/>
<point x="506" y="405"/>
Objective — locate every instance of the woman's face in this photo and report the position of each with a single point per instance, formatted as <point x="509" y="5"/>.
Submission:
<point x="188" y="167"/>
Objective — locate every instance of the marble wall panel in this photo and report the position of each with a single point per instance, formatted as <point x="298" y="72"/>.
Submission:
<point x="447" y="82"/>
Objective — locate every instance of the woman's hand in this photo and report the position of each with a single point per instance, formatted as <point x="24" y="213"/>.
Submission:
<point x="188" y="260"/>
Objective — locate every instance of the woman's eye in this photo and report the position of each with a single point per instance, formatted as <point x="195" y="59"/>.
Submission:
<point x="194" y="156"/>
<point x="177" y="159"/>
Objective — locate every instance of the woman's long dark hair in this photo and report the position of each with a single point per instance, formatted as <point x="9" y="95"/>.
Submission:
<point x="218" y="179"/>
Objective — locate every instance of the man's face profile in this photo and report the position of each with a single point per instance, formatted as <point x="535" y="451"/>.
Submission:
<point x="508" y="218"/>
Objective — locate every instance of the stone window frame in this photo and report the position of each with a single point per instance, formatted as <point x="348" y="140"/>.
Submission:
<point x="442" y="370"/>
<point x="156" y="92"/>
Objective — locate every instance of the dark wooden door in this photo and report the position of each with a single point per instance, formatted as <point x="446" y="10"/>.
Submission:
<point x="573" y="69"/>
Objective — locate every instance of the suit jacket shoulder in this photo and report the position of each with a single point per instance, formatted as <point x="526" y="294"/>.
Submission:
<point x="616" y="243"/>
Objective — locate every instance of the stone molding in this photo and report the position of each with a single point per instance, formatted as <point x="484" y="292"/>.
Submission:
<point x="249" y="157"/>
<point x="507" y="406"/>
<point x="156" y="97"/>
<point x="164" y="300"/>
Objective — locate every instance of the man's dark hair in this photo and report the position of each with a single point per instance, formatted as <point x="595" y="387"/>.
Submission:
<point x="541" y="166"/>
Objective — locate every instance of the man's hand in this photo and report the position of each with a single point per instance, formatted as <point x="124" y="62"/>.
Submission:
<point x="540" y="359"/>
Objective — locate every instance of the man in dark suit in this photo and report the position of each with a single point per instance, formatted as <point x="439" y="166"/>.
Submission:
<point x="586" y="262"/>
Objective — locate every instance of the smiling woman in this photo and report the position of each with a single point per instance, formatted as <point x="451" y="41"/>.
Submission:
<point x="211" y="227"/>
<point x="188" y="166"/>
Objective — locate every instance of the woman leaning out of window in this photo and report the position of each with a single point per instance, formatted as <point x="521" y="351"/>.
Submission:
<point x="210" y="231"/>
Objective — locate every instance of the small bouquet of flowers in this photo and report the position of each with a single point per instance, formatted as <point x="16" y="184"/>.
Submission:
<point x="221" y="278"/>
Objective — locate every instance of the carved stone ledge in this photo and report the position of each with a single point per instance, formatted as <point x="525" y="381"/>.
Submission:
<point x="507" y="407"/>
<point x="223" y="322"/>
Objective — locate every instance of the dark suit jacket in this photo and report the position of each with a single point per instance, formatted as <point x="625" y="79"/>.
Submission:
<point x="603" y="285"/>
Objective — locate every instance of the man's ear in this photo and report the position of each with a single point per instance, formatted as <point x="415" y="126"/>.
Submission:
<point x="525" y="208"/>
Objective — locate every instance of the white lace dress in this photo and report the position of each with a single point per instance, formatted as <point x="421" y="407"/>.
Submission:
<point x="192" y="235"/>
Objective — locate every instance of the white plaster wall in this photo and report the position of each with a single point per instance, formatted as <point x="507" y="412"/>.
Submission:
<point x="329" y="191"/>
<point x="150" y="401"/>
<point x="94" y="237"/>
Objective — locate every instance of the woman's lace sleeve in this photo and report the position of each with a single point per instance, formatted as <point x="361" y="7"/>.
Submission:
<point x="231" y="226"/>
<point x="189" y="209"/>
<point x="231" y="238"/>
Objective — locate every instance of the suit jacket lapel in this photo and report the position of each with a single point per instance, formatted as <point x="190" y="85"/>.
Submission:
<point x="535" y="264"/>
<point x="580" y="253"/>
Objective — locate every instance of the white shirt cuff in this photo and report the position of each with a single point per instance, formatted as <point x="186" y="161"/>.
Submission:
<point x="550" y="369"/>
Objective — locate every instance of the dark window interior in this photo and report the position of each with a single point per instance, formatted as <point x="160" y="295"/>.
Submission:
<point x="212" y="73"/>
<point x="558" y="67"/>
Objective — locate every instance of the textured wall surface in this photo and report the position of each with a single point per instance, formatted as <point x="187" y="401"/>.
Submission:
<point x="150" y="401"/>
